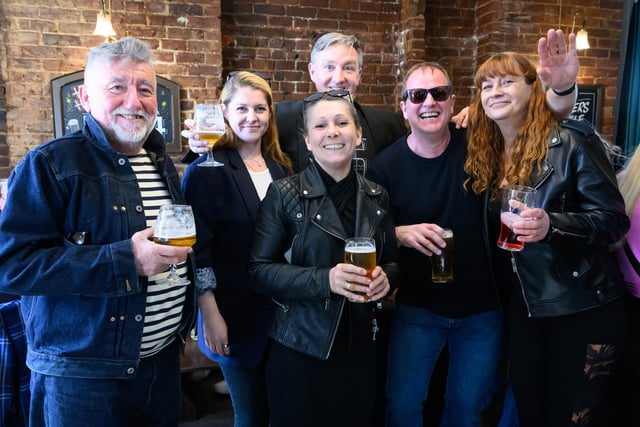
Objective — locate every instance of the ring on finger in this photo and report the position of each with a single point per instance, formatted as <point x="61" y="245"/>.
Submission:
<point x="561" y="51"/>
<point x="347" y="286"/>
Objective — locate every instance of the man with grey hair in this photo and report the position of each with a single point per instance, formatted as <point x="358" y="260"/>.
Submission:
<point x="336" y="65"/>
<point x="104" y="334"/>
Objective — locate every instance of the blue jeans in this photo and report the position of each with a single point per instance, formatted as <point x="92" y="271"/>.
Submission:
<point x="417" y="338"/>
<point x="151" y="399"/>
<point x="509" y="416"/>
<point x="248" y="395"/>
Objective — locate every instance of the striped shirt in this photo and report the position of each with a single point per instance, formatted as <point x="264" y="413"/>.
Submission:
<point x="164" y="302"/>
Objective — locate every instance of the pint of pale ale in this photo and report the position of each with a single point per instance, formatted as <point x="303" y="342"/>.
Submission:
<point x="361" y="251"/>
<point x="442" y="265"/>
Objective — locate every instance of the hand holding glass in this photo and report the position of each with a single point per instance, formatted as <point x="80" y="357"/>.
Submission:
<point x="514" y="200"/>
<point x="209" y="126"/>
<point x="175" y="226"/>
<point x="361" y="251"/>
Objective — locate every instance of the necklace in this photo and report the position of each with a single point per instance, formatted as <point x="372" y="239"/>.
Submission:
<point x="258" y="163"/>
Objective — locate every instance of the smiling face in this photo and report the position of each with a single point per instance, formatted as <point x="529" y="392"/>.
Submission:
<point x="505" y="99"/>
<point x="247" y="113"/>
<point x="336" y="67"/>
<point x="332" y="135"/>
<point x="121" y="96"/>
<point x="429" y="118"/>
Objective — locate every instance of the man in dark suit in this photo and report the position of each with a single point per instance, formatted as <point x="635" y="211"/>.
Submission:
<point x="336" y="64"/>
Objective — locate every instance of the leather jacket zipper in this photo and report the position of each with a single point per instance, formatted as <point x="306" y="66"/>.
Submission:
<point x="514" y="267"/>
<point x="334" y="326"/>
<point x="555" y="230"/>
<point x="284" y="308"/>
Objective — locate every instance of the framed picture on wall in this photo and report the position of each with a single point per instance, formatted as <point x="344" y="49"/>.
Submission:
<point x="68" y="113"/>
<point x="588" y="105"/>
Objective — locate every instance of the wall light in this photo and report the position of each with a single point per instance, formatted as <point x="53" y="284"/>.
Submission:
<point x="104" y="27"/>
<point x="582" y="40"/>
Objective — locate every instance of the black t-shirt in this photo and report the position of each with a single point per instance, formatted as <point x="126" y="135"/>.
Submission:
<point x="431" y="191"/>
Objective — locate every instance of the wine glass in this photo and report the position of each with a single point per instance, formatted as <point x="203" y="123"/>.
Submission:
<point x="175" y="226"/>
<point x="209" y="125"/>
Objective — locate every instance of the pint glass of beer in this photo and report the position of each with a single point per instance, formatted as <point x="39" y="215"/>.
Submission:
<point x="361" y="251"/>
<point x="442" y="265"/>
<point x="515" y="199"/>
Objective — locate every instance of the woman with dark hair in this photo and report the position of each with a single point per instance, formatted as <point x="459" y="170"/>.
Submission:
<point x="321" y="368"/>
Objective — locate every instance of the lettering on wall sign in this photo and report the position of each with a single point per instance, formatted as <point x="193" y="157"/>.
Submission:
<point x="589" y="105"/>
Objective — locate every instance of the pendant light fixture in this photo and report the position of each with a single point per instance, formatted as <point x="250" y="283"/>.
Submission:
<point x="104" y="27"/>
<point x="582" y="37"/>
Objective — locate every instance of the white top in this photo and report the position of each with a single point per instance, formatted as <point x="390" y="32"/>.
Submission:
<point x="261" y="181"/>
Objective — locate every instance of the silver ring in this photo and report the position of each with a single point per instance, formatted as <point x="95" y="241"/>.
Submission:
<point x="225" y="346"/>
<point x="561" y="51"/>
<point x="347" y="286"/>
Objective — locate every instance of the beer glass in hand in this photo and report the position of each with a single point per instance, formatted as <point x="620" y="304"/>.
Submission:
<point x="209" y="126"/>
<point x="442" y="265"/>
<point x="515" y="199"/>
<point x="361" y="251"/>
<point x="175" y="226"/>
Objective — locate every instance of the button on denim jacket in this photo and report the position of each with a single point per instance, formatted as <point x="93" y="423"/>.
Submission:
<point x="66" y="248"/>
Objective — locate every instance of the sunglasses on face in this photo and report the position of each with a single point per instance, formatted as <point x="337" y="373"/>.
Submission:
<point x="418" y="96"/>
<point x="263" y="76"/>
<point x="336" y="93"/>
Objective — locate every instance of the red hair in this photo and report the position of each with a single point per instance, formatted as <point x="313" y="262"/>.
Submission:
<point x="485" y="161"/>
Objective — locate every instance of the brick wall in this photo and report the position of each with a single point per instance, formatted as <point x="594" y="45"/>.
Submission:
<point x="276" y="37"/>
<point x="4" y="148"/>
<point x="197" y="42"/>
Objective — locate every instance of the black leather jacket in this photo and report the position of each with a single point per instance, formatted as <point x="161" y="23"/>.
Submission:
<point x="299" y="237"/>
<point x="573" y="269"/>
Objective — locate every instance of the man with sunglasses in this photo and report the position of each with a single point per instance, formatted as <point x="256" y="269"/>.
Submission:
<point x="424" y="175"/>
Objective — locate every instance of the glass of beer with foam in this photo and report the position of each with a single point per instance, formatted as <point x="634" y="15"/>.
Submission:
<point x="361" y="251"/>
<point x="442" y="264"/>
<point x="209" y="126"/>
<point x="175" y="226"/>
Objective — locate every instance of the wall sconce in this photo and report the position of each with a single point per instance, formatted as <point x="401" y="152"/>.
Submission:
<point x="104" y="27"/>
<point x="582" y="40"/>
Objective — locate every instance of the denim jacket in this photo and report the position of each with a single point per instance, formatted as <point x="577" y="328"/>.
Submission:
<point x="66" y="248"/>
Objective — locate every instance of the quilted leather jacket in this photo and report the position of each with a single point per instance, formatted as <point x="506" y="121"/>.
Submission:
<point x="573" y="269"/>
<point x="299" y="237"/>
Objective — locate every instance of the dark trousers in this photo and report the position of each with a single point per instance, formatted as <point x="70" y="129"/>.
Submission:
<point x="629" y="395"/>
<point x="309" y="392"/>
<point x="564" y="367"/>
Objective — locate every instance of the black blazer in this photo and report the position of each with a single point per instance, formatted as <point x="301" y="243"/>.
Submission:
<point x="225" y="205"/>
<point x="380" y="129"/>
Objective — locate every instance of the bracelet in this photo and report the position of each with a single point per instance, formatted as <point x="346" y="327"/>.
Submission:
<point x="566" y="92"/>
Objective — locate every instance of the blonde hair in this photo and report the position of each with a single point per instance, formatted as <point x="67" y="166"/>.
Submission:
<point x="484" y="164"/>
<point x="269" y="143"/>
<point x="629" y="182"/>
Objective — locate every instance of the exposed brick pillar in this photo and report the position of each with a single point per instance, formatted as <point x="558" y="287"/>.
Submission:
<point x="4" y="148"/>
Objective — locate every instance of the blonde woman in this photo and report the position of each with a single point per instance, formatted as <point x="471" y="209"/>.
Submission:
<point x="628" y="256"/>
<point x="232" y="322"/>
